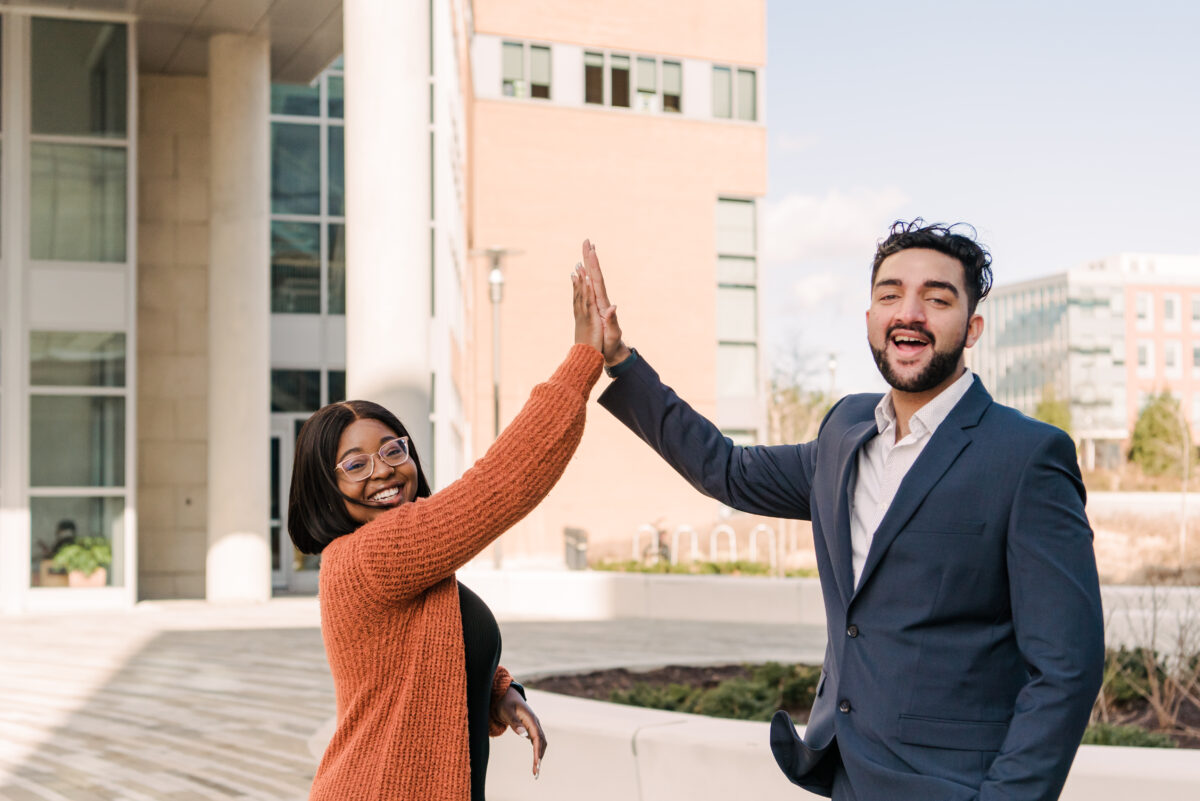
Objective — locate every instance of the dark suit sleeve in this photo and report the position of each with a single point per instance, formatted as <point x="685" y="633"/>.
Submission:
<point x="1058" y="623"/>
<point x="765" y="480"/>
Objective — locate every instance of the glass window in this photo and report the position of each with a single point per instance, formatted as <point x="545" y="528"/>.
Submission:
<point x="1196" y="309"/>
<point x="747" y="96"/>
<point x="737" y="313"/>
<point x="295" y="267"/>
<point x="736" y="270"/>
<point x="1172" y="357"/>
<point x="735" y="227"/>
<point x="76" y="359"/>
<point x="80" y="78"/>
<point x="295" y="168"/>
<point x="337" y="171"/>
<point x="77" y="199"/>
<point x="336" y="104"/>
<point x="76" y="441"/>
<point x="337" y="386"/>
<point x="737" y="370"/>
<point x="593" y="78"/>
<point x="57" y="522"/>
<point x="337" y="268"/>
<point x="1196" y="357"/>
<point x="647" y="83"/>
<point x="295" y="390"/>
<point x="672" y="79"/>
<point x="1171" y="311"/>
<point x="1145" y="310"/>
<point x="722" y="92"/>
<point x="512" y="69"/>
<point x="294" y="100"/>
<point x="619" y="71"/>
<point x="539" y="71"/>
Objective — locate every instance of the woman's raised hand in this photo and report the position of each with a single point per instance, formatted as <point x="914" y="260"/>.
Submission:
<point x="589" y="327"/>
<point x="614" y="349"/>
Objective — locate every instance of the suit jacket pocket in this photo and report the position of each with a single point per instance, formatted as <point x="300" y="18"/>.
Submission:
<point x="962" y="735"/>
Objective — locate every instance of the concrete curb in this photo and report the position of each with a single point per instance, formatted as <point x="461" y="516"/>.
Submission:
<point x="603" y="751"/>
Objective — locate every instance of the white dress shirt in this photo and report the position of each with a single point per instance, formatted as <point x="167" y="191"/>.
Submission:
<point x="883" y="463"/>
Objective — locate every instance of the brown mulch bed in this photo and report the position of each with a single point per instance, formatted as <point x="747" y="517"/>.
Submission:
<point x="599" y="685"/>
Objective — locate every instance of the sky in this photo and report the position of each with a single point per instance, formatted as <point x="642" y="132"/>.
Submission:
<point x="1063" y="131"/>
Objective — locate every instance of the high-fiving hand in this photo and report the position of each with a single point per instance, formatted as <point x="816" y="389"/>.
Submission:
<point x="613" y="347"/>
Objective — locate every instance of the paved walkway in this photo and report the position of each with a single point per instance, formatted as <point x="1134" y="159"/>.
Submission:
<point x="185" y="701"/>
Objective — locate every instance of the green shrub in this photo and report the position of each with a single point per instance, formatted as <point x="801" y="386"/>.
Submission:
<point x="672" y="697"/>
<point x="1112" y="734"/>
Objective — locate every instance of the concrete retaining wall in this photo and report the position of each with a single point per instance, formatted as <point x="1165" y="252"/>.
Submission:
<point x="600" y="752"/>
<point x="1134" y="615"/>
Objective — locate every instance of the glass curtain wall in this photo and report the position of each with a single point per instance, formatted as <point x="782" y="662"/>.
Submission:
<point x="80" y="460"/>
<point x="737" y="299"/>
<point x="308" y="278"/>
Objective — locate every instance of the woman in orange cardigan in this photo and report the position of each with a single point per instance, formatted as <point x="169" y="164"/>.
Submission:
<point x="414" y="654"/>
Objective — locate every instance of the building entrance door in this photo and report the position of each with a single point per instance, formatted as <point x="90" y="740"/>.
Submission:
<point x="291" y="571"/>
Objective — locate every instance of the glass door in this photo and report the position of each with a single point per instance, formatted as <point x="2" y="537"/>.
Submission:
<point x="291" y="571"/>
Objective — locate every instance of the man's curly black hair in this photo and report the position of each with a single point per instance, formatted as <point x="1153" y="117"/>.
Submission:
<point x="975" y="259"/>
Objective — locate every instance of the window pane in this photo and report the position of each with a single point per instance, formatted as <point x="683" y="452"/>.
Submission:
<point x="76" y="441"/>
<point x="736" y="314"/>
<point x="295" y="168"/>
<point x="337" y="171"/>
<point x="646" y="78"/>
<point x="57" y="522"/>
<point x="337" y="386"/>
<point x="722" y="92"/>
<point x="77" y="198"/>
<point x="76" y="359"/>
<point x="295" y="390"/>
<point x="295" y="268"/>
<point x="275" y="476"/>
<point x="299" y="101"/>
<point x="336" y="89"/>
<point x="80" y="77"/>
<point x="737" y="371"/>
<point x="746" y="94"/>
<point x="593" y="78"/>
<point x="734" y="270"/>
<point x="539" y="71"/>
<point x="735" y="227"/>
<point x="672" y="85"/>
<point x="620" y="80"/>
<point x="337" y="268"/>
<point x="512" y="69"/>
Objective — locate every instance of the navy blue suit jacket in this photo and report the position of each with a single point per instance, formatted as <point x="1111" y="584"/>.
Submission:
<point x="965" y="663"/>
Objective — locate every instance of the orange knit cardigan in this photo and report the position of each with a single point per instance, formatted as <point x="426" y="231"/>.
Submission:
<point x="390" y="616"/>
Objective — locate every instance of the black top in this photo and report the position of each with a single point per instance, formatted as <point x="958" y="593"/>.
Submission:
<point x="481" y="646"/>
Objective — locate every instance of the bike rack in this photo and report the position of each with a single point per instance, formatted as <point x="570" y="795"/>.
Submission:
<point x="712" y="542"/>
<point x="684" y="528"/>
<point x="772" y="545"/>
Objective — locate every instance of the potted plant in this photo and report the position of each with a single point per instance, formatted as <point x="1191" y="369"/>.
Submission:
<point x="86" y="561"/>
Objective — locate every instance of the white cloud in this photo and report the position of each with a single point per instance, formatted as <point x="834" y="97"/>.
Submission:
<point x="840" y="226"/>
<point x="818" y="290"/>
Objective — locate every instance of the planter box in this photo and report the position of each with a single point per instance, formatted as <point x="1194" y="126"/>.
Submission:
<point x="97" y="579"/>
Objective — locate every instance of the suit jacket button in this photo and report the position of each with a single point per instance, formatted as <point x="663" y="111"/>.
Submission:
<point x="852" y="630"/>
<point x="844" y="705"/>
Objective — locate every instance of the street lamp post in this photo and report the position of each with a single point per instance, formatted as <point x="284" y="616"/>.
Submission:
<point x="832" y="375"/>
<point x="496" y="293"/>
<point x="1183" y="490"/>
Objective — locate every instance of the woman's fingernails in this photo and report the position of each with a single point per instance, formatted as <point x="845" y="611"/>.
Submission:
<point x="521" y="731"/>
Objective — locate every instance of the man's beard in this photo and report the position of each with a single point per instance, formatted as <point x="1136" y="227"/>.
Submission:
<point x="942" y="366"/>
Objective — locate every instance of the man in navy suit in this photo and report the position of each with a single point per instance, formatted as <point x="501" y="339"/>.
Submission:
<point x="966" y="642"/>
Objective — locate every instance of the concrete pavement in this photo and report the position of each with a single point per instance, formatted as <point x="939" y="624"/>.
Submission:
<point x="187" y="701"/>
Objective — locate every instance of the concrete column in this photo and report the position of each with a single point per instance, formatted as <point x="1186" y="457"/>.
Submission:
<point x="388" y="209"/>
<point x="238" y="567"/>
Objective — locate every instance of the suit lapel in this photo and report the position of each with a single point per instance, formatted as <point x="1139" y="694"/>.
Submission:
<point x="841" y="555"/>
<point x="944" y="447"/>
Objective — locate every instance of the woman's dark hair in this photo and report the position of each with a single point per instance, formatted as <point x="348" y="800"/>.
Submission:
<point x="316" y="507"/>
<point x="976" y="261"/>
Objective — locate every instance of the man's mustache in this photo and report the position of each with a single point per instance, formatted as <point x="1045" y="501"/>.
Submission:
<point x="914" y="327"/>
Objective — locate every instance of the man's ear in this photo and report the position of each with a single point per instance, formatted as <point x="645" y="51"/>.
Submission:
<point x="974" y="329"/>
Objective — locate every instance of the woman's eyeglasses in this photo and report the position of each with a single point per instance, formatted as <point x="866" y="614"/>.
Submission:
<point x="361" y="466"/>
